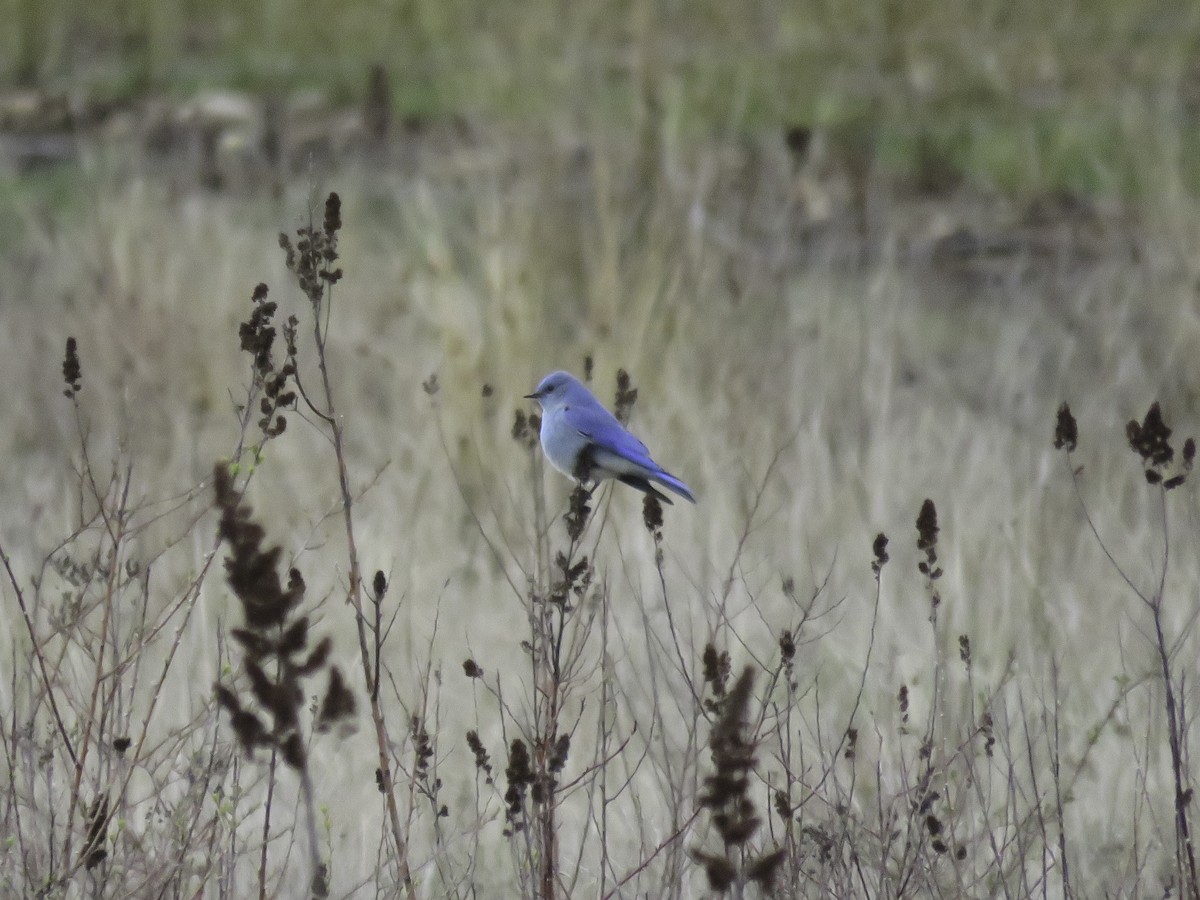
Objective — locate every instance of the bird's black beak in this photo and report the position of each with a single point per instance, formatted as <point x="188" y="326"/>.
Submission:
<point x="534" y="396"/>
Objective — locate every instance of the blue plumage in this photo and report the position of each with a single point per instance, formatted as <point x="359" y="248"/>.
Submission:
<point x="584" y="441"/>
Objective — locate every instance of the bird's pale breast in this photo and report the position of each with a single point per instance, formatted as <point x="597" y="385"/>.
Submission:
<point x="561" y="443"/>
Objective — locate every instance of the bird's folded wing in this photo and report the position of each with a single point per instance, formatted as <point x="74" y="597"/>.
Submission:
<point x="601" y="428"/>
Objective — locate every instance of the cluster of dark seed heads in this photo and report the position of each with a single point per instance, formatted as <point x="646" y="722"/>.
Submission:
<point x="726" y="796"/>
<point x="276" y="654"/>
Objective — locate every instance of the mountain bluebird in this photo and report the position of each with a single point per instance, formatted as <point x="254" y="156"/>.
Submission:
<point x="584" y="441"/>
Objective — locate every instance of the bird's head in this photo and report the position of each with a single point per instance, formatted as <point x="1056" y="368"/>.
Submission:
<point x="558" y="389"/>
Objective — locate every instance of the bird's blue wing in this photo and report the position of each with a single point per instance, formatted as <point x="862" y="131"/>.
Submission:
<point x="601" y="427"/>
<point x="618" y="454"/>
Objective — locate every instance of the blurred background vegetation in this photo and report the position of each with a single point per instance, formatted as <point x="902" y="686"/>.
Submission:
<point x="1094" y="97"/>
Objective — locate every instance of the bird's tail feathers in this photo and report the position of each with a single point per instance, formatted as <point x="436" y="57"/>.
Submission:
<point x="670" y="481"/>
<point x="644" y="485"/>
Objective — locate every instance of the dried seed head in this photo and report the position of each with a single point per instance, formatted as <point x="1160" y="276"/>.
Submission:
<point x="716" y="669"/>
<point x="652" y="517"/>
<point x="719" y="870"/>
<point x="247" y="727"/>
<point x="927" y="536"/>
<point x="72" y="372"/>
<point x="1151" y="439"/>
<point x="482" y="762"/>
<point x="578" y="512"/>
<point x="787" y="646"/>
<point x="316" y="659"/>
<point x="294" y="639"/>
<point x="576" y="577"/>
<point x="519" y="773"/>
<point x="333" y="215"/>
<point x="727" y="791"/>
<point x="422" y="746"/>
<point x="927" y="526"/>
<point x="782" y="805"/>
<point x="271" y="642"/>
<point x="93" y="852"/>
<point x="338" y="705"/>
<point x="558" y="757"/>
<point x="1066" y="432"/>
<point x="289" y="251"/>
<point x="879" y="549"/>
<point x="763" y="870"/>
<point x="293" y="752"/>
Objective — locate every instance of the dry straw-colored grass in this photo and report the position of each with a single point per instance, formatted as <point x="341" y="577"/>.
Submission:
<point x="814" y="385"/>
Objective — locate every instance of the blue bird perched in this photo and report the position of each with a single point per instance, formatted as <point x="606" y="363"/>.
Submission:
<point x="584" y="441"/>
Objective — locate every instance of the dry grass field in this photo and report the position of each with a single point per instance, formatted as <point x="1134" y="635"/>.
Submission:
<point x="852" y="263"/>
